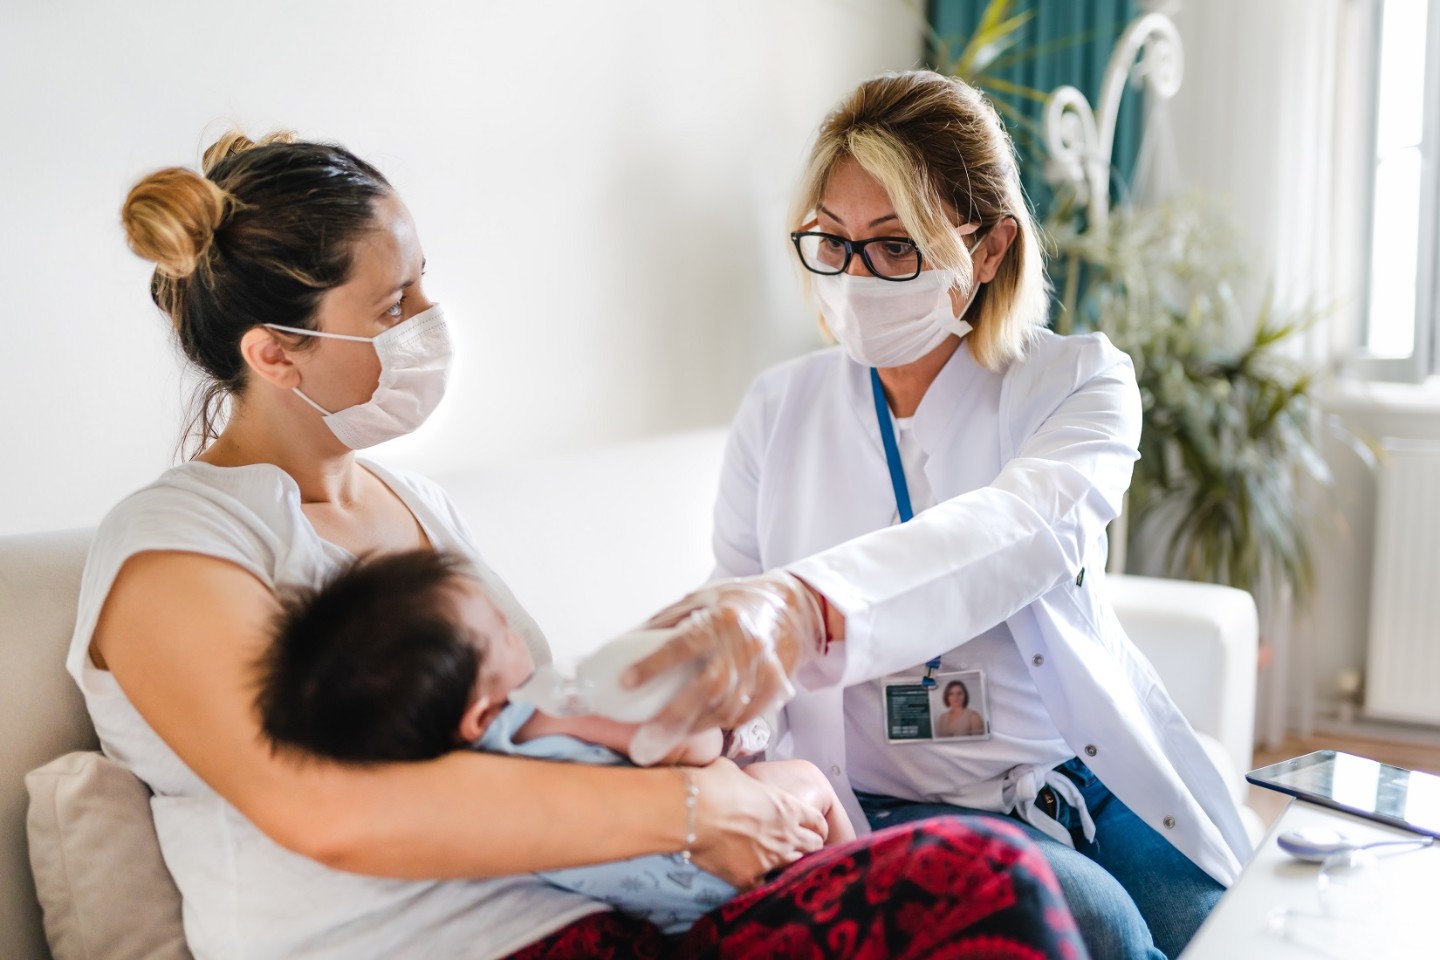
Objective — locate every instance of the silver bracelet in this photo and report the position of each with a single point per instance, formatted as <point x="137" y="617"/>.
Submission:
<point x="692" y="800"/>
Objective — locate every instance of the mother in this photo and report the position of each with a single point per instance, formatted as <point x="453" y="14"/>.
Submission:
<point x="1011" y="447"/>
<point x="292" y="274"/>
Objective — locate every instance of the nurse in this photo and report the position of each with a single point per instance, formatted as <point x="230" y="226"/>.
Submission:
<point x="927" y="503"/>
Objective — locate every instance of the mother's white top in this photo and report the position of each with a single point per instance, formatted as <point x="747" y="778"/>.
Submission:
<point x="244" y="895"/>
<point x="806" y="486"/>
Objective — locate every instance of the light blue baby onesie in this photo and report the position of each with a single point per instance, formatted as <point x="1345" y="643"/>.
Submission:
<point x="660" y="888"/>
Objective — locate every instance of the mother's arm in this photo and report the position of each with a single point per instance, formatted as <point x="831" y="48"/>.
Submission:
<point x="181" y="633"/>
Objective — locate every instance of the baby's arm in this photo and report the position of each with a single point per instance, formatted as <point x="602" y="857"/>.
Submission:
<point x="803" y="780"/>
<point x="697" y="751"/>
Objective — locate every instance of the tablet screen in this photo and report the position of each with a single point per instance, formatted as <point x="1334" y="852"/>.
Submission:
<point x="1366" y="787"/>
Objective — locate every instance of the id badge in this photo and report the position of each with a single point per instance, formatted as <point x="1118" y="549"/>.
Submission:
<point x="955" y="707"/>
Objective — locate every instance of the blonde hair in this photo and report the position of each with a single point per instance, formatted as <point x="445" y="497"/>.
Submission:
<point x="939" y="150"/>
<point x="256" y="236"/>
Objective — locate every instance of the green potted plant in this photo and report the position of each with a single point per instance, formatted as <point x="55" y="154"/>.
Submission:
<point x="1228" y="440"/>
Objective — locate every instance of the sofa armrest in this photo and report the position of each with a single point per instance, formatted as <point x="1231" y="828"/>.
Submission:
<point x="1203" y="640"/>
<point x="41" y="710"/>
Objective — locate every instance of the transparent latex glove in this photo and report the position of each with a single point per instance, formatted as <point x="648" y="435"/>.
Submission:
<point x="741" y="639"/>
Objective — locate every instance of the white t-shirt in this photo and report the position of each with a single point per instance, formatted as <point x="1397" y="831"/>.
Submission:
<point x="244" y="895"/>
<point x="967" y="773"/>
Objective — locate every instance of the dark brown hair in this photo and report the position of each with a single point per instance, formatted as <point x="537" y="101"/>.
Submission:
<point x="258" y="238"/>
<point x="373" y="666"/>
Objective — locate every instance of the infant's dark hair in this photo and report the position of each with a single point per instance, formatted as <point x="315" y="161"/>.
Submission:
<point x="372" y="666"/>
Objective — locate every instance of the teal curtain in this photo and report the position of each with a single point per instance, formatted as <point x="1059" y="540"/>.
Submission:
<point x="1066" y="41"/>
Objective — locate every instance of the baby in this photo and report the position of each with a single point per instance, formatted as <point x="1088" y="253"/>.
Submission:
<point x="404" y="657"/>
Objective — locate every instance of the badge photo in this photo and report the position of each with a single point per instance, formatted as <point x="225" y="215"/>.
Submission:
<point x="959" y="707"/>
<point x="944" y="706"/>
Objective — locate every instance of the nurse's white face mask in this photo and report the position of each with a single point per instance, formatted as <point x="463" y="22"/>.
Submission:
<point x="889" y="323"/>
<point x="414" y="366"/>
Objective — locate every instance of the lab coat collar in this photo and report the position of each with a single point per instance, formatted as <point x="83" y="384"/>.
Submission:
<point x="958" y="385"/>
<point x="954" y="388"/>
<point x="862" y="403"/>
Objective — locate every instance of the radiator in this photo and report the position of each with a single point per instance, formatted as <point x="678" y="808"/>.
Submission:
<point x="1403" y="656"/>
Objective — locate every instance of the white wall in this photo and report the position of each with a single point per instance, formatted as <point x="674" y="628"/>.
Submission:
<point x="600" y="188"/>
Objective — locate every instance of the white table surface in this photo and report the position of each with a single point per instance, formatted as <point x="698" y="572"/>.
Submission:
<point x="1404" y="923"/>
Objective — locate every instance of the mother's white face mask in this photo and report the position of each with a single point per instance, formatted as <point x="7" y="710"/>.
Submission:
<point x="888" y="323"/>
<point x="414" y="367"/>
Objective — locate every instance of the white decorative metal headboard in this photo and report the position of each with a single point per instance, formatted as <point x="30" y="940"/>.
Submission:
<point x="1078" y="148"/>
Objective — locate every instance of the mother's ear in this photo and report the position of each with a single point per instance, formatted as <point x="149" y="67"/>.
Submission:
<point x="997" y="243"/>
<point x="268" y="358"/>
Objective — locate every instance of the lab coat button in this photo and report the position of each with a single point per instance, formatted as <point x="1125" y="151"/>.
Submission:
<point x="835" y="769"/>
<point x="1080" y="580"/>
<point x="1090" y="750"/>
<point x="1038" y="660"/>
<point x="1169" y="823"/>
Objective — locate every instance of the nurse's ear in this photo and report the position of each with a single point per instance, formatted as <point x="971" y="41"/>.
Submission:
<point x="992" y="250"/>
<point x="268" y="358"/>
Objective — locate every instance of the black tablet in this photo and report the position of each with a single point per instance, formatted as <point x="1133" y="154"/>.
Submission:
<point x="1367" y="788"/>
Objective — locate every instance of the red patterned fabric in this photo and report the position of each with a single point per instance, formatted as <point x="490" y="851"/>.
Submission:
<point x="600" y="936"/>
<point x="949" y="889"/>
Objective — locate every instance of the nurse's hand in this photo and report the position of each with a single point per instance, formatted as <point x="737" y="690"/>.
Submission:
<point x="745" y="828"/>
<point x="746" y="636"/>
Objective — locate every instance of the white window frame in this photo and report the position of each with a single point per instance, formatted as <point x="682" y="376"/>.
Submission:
<point x="1424" y="359"/>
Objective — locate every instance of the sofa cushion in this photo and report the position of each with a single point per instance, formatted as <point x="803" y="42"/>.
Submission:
<point x="101" y="880"/>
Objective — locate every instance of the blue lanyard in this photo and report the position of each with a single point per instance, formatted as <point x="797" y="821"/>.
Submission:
<point x="897" y="481"/>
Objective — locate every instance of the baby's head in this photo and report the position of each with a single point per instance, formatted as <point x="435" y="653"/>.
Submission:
<point x="400" y="656"/>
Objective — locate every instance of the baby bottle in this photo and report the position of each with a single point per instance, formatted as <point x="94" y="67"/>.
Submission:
<point x="594" y="688"/>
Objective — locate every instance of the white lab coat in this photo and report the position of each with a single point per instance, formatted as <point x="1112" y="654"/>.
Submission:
<point x="805" y="486"/>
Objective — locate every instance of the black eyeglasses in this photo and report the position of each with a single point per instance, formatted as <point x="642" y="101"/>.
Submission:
<point x="889" y="258"/>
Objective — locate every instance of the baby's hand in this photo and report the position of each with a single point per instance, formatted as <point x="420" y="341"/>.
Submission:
<point x="804" y="781"/>
<point x="694" y="751"/>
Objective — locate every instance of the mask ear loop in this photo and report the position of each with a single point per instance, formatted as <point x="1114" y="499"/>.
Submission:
<point x="974" y="227"/>
<point x="301" y="395"/>
<point x="957" y="324"/>
<point x="300" y="331"/>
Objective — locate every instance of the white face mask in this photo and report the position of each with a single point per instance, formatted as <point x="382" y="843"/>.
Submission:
<point x="414" y="365"/>
<point x="888" y="323"/>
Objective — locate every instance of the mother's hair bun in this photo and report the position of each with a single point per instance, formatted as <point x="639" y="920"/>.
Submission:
<point x="235" y="142"/>
<point x="171" y="216"/>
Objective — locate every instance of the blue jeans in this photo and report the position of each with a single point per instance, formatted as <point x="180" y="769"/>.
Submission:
<point x="1132" y="893"/>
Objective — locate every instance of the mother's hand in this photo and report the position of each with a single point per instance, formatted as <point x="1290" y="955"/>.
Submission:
<point x="746" y="635"/>
<point x="745" y="828"/>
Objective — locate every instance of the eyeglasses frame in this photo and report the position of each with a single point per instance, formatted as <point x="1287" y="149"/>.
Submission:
<point x="853" y="247"/>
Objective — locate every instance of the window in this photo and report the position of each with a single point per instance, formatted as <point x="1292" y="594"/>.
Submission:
<point x="1403" y="305"/>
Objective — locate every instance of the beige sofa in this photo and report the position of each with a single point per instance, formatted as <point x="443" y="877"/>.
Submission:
<point x="591" y="542"/>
